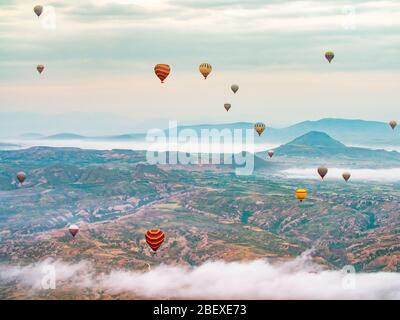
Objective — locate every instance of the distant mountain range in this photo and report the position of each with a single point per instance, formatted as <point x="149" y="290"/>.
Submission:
<point x="319" y="144"/>
<point x="350" y="132"/>
<point x="316" y="148"/>
<point x="14" y="124"/>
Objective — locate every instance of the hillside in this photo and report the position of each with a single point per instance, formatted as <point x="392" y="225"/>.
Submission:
<point x="316" y="144"/>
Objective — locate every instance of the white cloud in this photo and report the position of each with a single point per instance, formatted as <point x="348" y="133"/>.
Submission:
<point x="296" y="279"/>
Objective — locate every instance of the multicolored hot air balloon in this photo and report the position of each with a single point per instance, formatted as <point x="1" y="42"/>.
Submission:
<point x="38" y="10"/>
<point x="205" y="69"/>
<point x="162" y="71"/>
<point x="301" y="194"/>
<point x="393" y="124"/>
<point x="154" y="238"/>
<point x="234" y="88"/>
<point x="329" y="55"/>
<point x="346" y="176"/>
<point x="227" y="106"/>
<point x="271" y="153"/>
<point x="73" y="230"/>
<point x="40" y="68"/>
<point x="21" y="177"/>
<point x="259" y="127"/>
<point x="322" y="171"/>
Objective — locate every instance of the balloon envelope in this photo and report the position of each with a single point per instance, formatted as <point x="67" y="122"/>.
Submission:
<point x="21" y="176"/>
<point x="234" y="88"/>
<point x="73" y="230"/>
<point x="393" y="124"/>
<point x="271" y="153"/>
<point x="38" y="10"/>
<point x="40" y="68"/>
<point x="205" y="69"/>
<point x="227" y="106"/>
<point x="322" y="171"/>
<point x="301" y="194"/>
<point x="162" y="71"/>
<point x="346" y="176"/>
<point x="329" y="55"/>
<point x="259" y="127"/>
<point x="154" y="238"/>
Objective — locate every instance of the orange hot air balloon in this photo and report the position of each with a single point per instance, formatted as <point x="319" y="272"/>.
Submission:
<point x="40" y="68"/>
<point x="271" y="153"/>
<point x="259" y="127"/>
<point x="322" y="171"/>
<point x="301" y="194"/>
<point x="227" y="106"/>
<point x="154" y="238"/>
<point x="73" y="230"/>
<point x="205" y="69"/>
<point x="162" y="71"/>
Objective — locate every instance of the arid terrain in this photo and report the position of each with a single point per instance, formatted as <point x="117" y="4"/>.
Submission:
<point x="206" y="211"/>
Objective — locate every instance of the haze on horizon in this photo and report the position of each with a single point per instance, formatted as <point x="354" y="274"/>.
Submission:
<point x="100" y="56"/>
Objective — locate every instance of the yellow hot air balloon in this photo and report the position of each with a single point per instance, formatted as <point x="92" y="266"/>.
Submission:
<point x="301" y="194"/>
<point x="259" y="127"/>
<point x="205" y="69"/>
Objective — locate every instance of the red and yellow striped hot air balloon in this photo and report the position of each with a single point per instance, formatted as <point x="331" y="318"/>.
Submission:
<point x="162" y="71"/>
<point x="155" y="238"/>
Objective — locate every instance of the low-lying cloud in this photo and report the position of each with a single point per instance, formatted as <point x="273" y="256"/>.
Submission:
<point x="296" y="279"/>
<point x="382" y="175"/>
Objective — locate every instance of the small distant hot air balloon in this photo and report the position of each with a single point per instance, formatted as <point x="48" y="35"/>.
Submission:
<point x="271" y="153"/>
<point x="346" y="176"/>
<point x="154" y="238"/>
<point x="38" y="10"/>
<point x="21" y="177"/>
<point x="40" y="68"/>
<point x="259" y="127"/>
<point x="162" y="71"/>
<point x="393" y="124"/>
<point x="205" y="69"/>
<point x="234" y="88"/>
<point x="322" y="171"/>
<point x="329" y="55"/>
<point x="301" y="194"/>
<point x="227" y="106"/>
<point x="73" y="230"/>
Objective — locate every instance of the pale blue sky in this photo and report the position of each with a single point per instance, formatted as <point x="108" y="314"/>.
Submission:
<point x="101" y="54"/>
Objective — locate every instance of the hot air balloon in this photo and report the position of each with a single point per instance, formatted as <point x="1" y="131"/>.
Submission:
<point x="21" y="176"/>
<point x="234" y="88"/>
<point x="393" y="124"/>
<point x="271" y="153"/>
<point x="205" y="69"/>
<point x="162" y="71"/>
<point x="259" y="127"/>
<point x="346" y="176"/>
<point x="154" y="238"/>
<point x="38" y="10"/>
<point x="322" y="171"/>
<point x="40" y="68"/>
<point x="73" y="230"/>
<point x="329" y="55"/>
<point x="301" y="194"/>
<point x="227" y="106"/>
